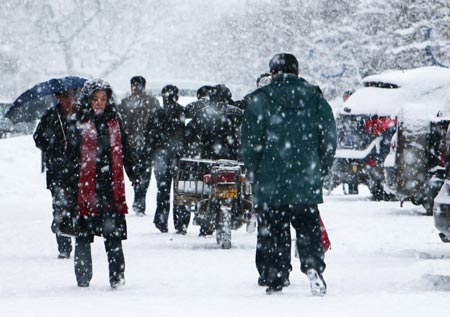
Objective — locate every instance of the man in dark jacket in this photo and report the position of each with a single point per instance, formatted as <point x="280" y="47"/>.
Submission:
<point x="193" y="111"/>
<point x="51" y="138"/>
<point x="165" y="144"/>
<point x="215" y="131"/>
<point x="219" y="126"/>
<point x="288" y="143"/>
<point x="136" y="110"/>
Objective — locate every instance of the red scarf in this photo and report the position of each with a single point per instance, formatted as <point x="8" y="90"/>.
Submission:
<point x="86" y="185"/>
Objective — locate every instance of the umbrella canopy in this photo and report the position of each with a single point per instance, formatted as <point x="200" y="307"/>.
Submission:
<point x="32" y="103"/>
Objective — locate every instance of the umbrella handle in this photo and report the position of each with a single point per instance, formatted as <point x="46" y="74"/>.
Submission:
<point x="62" y="129"/>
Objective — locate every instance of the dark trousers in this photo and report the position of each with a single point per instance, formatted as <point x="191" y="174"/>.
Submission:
<point x="165" y="172"/>
<point x="83" y="260"/>
<point x="59" y="208"/>
<point x="273" y="250"/>
<point x="140" y="190"/>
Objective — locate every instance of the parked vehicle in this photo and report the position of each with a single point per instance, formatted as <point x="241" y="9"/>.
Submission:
<point x="217" y="193"/>
<point x="389" y="133"/>
<point x="414" y="168"/>
<point x="365" y="125"/>
<point x="441" y="208"/>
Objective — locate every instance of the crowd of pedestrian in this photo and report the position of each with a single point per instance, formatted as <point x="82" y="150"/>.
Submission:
<point x="284" y="132"/>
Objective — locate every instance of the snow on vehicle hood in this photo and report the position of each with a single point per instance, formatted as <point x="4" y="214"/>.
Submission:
<point x="422" y="93"/>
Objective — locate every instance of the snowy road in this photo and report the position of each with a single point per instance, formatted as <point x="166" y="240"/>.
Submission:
<point x="385" y="261"/>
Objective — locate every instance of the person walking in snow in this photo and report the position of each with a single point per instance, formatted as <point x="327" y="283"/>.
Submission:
<point x="219" y="126"/>
<point x="97" y="152"/>
<point x="194" y="111"/>
<point x="50" y="138"/>
<point x="216" y="130"/>
<point x="136" y="110"/>
<point x="165" y="145"/>
<point x="288" y="139"/>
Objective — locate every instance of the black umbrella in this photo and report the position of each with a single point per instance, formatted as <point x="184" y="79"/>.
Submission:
<point x="32" y="103"/>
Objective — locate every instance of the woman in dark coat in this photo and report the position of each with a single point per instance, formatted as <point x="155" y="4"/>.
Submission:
<point x="97" y="153"/>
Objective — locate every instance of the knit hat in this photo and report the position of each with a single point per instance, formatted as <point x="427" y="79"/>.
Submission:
<point x="284" y="63"/>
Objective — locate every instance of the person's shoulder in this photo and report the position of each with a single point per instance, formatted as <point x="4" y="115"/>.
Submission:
<point x="255" y="95"/>
<point x="111" y="112"/>
<point x="49" y="115"/>
<point x="233" y="110"/>
<point x="307" y="85"/>
<point x="127" y="99"/>
<point x="150" y="97"/>
<point x="179" y="107"/>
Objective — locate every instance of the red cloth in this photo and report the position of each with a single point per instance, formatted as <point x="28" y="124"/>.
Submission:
<point x="325" y="239"/>
<point x="86" y="185"/>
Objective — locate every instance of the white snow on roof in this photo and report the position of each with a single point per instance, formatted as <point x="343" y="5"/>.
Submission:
<point x="422" y="94"/>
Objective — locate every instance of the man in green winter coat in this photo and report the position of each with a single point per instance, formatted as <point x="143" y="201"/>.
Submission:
<point x="288" y="140"/>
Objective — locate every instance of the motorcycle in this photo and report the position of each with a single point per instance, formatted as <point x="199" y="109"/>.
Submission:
<point x="217" y="192"/>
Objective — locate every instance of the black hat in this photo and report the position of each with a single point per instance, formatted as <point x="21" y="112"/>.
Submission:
<point x="138" y="81"/>
<point x="170" y="92"/>
<point x="283" y="63"/>
<point x="203" y="91"/>
<point x="224" y="93"/>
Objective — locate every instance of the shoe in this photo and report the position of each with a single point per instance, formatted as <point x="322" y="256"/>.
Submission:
<point x="205" y="232"/>
<point x="140" y="213"/>
<point x="163" y="229"/>
<point x="64" y="255"/>
<point x="117" y="284"/>
<point x="274" y="289"/>
<point x="181" y="231"/>
<point x="262" y="282"/>
<point x="317" y="283"/>
<point x="83" y="284"/>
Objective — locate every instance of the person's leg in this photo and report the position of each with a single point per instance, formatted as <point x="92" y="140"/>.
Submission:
<point x="181" y="215"/>
<point x="273" y="246"/>
<point x="64" y="247"/>
<point x="59" y="207"/>
<point x="140" y="191"/>
<point x="306" y="222"/>
<point x="83" y="261"/>
<point x="163" y="178"/>
<point x="116" y="261"/>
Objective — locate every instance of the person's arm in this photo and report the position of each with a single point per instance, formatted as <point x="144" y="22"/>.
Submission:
<point x="253" y="134"/>
<point x="327" y="135"/>
<point x="129" y="159"/>
<point x="43" y="134"/>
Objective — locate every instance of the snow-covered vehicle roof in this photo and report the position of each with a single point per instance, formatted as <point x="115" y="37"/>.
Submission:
<point x="414" y="95"/>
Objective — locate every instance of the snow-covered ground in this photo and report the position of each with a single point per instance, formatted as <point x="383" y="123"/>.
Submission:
<point x="385" y="261"/>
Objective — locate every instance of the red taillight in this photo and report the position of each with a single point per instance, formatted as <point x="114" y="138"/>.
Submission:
<point x="377" y="126"/>
<point x="223" y="177"/>
<point x="226" y="177"/>
<point x="207" y="178"/>
<point x="371" y="163"/>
